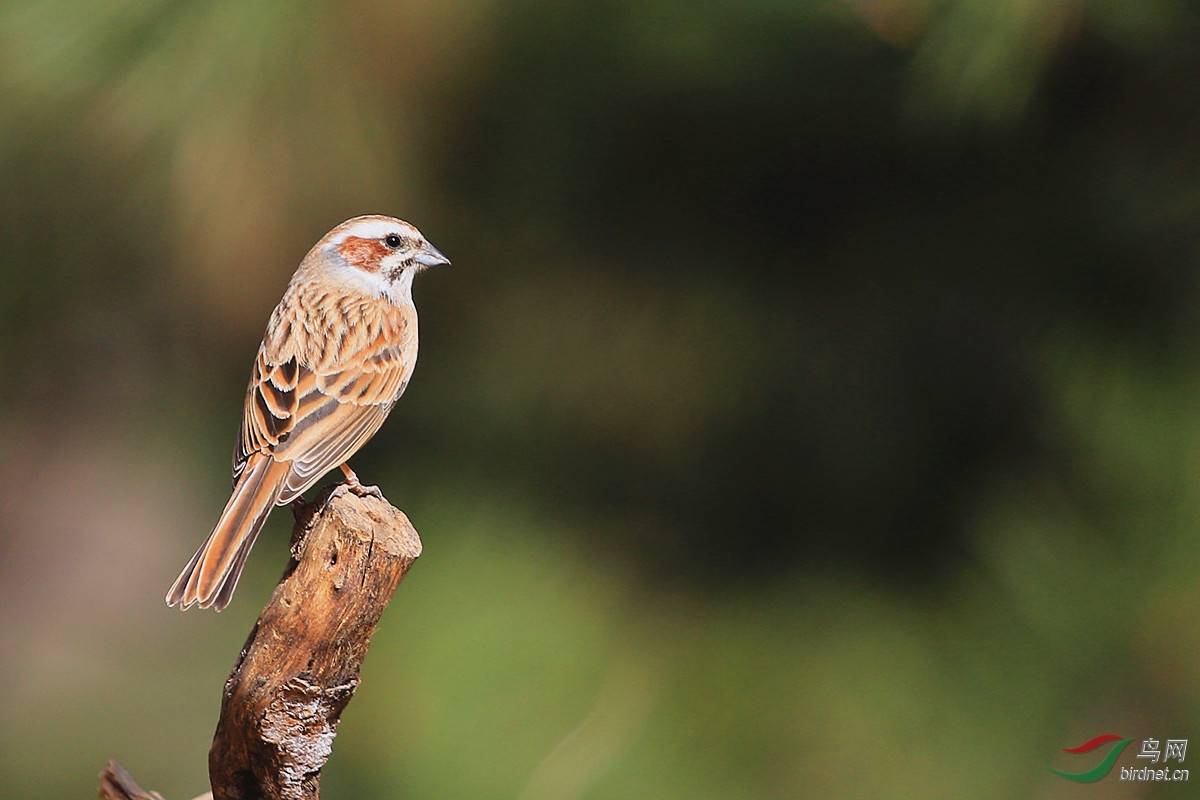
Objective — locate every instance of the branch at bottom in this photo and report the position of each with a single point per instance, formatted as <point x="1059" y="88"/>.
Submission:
<point x="300" y="666"/>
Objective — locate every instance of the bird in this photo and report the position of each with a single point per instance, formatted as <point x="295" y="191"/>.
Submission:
<point x="338" y="352"/>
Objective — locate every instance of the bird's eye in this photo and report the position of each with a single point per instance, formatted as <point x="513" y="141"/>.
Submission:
<point x="392" y="240"/>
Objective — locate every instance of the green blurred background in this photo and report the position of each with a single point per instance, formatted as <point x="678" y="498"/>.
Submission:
<point x="812" y="408"/>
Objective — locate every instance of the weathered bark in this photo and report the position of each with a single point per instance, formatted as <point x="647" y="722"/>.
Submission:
<point x="300" y="666"/>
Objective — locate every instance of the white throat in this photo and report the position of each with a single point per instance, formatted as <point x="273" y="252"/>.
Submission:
<point x="399" y="291"/>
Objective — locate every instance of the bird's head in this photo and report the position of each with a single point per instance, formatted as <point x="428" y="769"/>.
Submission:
<point x="379" y="253"/>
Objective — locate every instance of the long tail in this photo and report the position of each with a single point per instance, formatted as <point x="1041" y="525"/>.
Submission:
<point x="211" y="576"/>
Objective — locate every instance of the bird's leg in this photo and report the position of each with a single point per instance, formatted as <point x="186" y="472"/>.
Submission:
<point x="355" y="485"/>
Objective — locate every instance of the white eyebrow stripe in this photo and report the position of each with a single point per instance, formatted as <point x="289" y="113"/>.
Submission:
<point x="375" y="228"/>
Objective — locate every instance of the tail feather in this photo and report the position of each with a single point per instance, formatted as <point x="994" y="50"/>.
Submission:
<point x="210" y="577"/>
<point x="229" y="580"/>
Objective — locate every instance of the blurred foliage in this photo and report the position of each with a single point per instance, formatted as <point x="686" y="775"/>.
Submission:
<point x="811" y="408"/>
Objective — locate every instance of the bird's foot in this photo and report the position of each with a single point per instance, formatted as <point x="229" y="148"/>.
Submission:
<point x="353" y="484"/>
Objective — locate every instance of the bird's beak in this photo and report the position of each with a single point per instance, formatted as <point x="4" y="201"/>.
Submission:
<point x="430" y="256"/>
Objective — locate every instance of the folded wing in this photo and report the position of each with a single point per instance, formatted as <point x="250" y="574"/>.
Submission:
<point x="317" y="419"/>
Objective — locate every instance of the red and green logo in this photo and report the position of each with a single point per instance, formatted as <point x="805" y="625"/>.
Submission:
<point x="1100" y="770"/>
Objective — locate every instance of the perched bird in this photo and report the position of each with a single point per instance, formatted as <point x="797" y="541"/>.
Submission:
<point x="338" y="352"/>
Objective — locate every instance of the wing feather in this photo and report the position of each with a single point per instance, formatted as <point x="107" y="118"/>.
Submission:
<point x="347" y="429"/>
<point x="315" y="409"/>
<point x="270" y="410"/>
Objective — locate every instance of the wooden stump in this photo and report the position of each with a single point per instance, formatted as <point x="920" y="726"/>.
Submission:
<point x="300" y="666"/>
